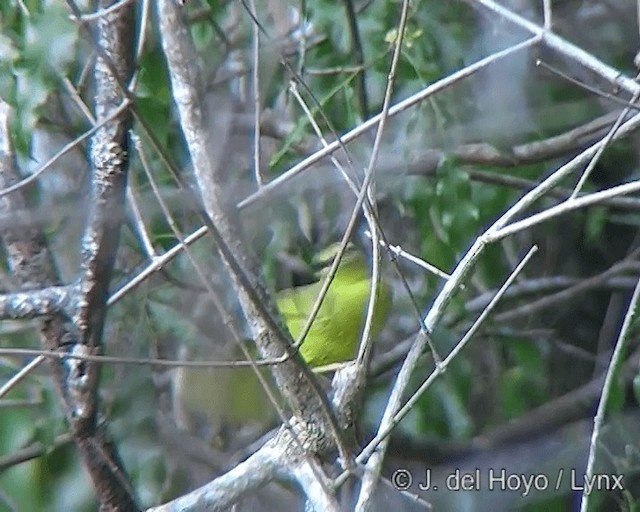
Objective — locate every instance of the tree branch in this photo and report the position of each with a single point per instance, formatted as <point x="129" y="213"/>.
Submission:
<point x="49" y="301"/>
<point x="199" y="120"/>
<point x="32" y="265"/>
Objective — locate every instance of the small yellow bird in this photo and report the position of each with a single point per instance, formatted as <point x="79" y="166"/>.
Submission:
<point x="336" y="330"/>
<point x="234" y="396"/>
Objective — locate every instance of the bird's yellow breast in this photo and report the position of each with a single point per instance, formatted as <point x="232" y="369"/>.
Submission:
<point x="335" y="332"/>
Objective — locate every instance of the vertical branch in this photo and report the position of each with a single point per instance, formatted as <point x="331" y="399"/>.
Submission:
<point x="115" y="36"/>
<point x="33" y="267"/>
<point x="617" y="358"/>
<point x="114" y="40"/>
<point x="358" y="53"/>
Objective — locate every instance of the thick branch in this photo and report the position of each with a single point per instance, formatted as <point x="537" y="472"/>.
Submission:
<point x="223" y="492"/>
<point x="274" y="460"/>
<point x="32" y="304"/>
<point x="29" y="258"/>
<point x="198" y="120"/>
<point x="33" y="267"/>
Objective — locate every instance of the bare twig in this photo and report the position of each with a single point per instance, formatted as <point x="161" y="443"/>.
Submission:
<point x="358" y="52"/>
<point x="33" y="451"/>
<point x="563" y="46"/>
<point x="370" y="479"/>
<point x="22" y="374"/>
<point x="576" y="288"/>
<point x="565" y="207"/>
<point x="372" y="122"/>
<point x="605" y="143"/>
<point x="609" y="381"/>
<point x="387" y="426"/>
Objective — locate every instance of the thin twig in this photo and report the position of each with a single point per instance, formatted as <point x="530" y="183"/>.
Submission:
<point x="372" y="122"/>
<point x="609" y="381"/>
<point x="256" y="97"/>
<point x="383" y="434"/>
<point x="372" y="471"/>
<point x="563" y="46"/>
<point x="561" y="209"/>
<point x="21" y="375"/>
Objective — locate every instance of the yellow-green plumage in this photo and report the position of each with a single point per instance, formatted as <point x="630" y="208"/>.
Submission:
<point x="234" y="396"/>
<point x="336" y="331"/>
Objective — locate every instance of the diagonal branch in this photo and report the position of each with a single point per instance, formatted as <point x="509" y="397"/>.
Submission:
<point x="199" y="121"/>
<point x="564" y="47"/>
